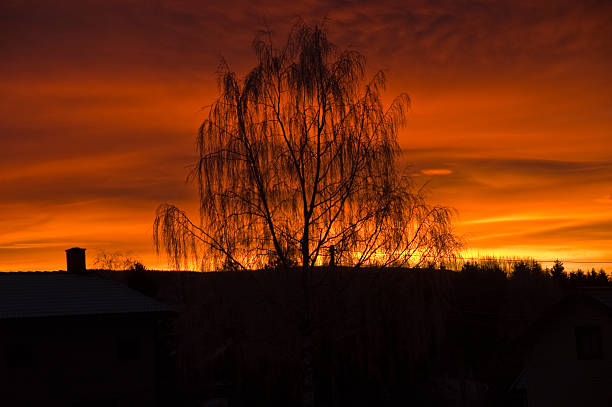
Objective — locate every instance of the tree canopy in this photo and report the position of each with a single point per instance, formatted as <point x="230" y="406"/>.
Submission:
<point x="300" y="158"/>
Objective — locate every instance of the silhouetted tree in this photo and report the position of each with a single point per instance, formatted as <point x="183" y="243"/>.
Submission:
<point x="523" y="269"/>
<point x="602" y="277"/>
<point x="298" y="156"/>
<point x="592" y="276"/>
<point x="557" y="272"/>
<point x="137" y="266"/>
<point x="577" y="278"/>
<point x="489" y="265"/>
<point x="117" y="261"/>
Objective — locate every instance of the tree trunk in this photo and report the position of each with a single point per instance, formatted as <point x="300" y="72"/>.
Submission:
<point x="306" y="328"/>
<point x="308" y="384"/>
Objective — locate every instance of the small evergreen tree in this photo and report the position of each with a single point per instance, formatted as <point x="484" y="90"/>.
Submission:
<point x="558" y="271"/>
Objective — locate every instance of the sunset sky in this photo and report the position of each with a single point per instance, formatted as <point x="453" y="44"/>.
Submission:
<point x="511" y="119"/>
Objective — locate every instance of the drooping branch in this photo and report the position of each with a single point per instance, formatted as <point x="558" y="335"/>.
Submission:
<point x="299" y="155"/>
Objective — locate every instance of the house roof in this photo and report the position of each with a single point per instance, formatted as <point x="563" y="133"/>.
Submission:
<point x="598" y="297"/>
<point x="33" y="294"/>
<point x="601" y="294"/>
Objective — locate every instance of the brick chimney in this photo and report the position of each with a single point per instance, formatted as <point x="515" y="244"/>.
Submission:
<point x="75" y="260"/>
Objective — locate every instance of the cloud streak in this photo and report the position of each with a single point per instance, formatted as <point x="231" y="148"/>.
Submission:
<point x="101" y="101"/>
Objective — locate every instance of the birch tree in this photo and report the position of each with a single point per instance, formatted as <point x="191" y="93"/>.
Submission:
<point x="298" y="158"/>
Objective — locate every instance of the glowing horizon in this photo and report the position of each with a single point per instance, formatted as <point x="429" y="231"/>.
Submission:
<point x="510" y="121"/>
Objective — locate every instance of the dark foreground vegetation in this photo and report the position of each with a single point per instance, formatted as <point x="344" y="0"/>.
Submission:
<point x="393" y="337"/>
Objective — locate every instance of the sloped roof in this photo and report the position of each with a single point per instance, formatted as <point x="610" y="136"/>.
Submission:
<point x="603" y="295"/>
<point x="31" y="294"/>
<point x="599" y="297"/>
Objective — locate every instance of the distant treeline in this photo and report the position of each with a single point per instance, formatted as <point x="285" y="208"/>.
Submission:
<point x="533" y="269"/>
<point x="381" y="337"/>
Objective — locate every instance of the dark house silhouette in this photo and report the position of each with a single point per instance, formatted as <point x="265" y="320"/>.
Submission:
<point x="77" y="339"/>
<point x="567" y="354"/>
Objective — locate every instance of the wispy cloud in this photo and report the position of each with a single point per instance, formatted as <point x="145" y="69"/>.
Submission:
<point x="436" y="171"/>
<point x="101" y="101"/>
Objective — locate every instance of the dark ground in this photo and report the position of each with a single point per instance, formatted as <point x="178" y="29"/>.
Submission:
<point x="394" y="337"/>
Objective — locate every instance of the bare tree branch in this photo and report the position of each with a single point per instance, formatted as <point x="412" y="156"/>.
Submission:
<point x="299" y="155"/>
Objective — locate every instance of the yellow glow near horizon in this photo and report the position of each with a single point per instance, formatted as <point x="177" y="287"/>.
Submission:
<point x="97" y="126"/>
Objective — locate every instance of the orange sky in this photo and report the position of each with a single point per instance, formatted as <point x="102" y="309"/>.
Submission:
<point x="511" y="121"/>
